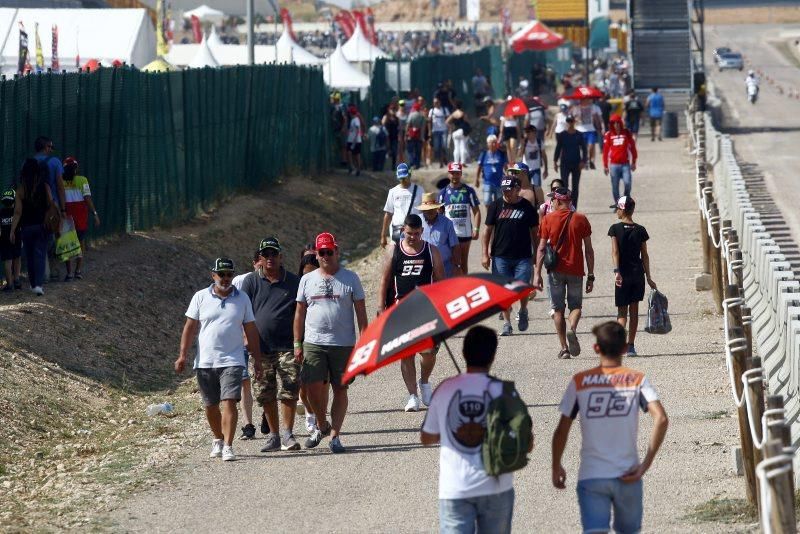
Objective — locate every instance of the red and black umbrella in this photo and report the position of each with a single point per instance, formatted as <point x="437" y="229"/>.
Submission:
<point x="429" y="315"/>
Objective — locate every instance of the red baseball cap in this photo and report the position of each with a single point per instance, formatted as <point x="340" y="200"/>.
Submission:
<point x="324" y="241"/>
<point x="454" y="167"/>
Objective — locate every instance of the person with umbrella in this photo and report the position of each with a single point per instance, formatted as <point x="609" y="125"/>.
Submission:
<point x="328" y="298"/>
<point x="512" y="225"/>
<point x="411" y="263"/>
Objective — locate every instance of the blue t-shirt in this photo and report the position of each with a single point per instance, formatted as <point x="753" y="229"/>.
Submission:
<point x="55" y="168"/>
<point x="492" y="164"/>
<point x="656" y="105"/>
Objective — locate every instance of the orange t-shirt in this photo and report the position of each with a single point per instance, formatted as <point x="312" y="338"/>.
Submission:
<point x="570" y="255"/>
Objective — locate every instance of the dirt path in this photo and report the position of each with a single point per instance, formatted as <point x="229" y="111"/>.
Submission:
<point x="387" y="481"/>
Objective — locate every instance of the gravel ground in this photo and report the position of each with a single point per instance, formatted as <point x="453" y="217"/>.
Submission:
<point x="387" y="482"/>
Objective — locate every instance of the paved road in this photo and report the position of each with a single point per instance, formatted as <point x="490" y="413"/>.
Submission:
<point x="766" y="134"/>
<point x="387" y="482"/>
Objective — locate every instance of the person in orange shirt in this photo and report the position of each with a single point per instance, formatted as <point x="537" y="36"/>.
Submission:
<point x="570" y="235"/>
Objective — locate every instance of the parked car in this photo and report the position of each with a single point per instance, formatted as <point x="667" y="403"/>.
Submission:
<point x="719" y="51"/>
<point x="731" y="60"/>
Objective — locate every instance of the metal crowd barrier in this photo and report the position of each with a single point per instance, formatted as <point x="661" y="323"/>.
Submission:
<point x="756" y="290"/>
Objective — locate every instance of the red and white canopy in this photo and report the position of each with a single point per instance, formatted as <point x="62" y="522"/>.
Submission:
<point x="535" y="36"/>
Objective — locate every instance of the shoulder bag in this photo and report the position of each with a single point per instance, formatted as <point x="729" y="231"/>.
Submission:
<point x="550" y="261"/>
<point x="397" y="230"/>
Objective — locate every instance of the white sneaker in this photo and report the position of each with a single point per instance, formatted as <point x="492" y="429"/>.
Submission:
<point x="38" y="291"/>
<point x="413" y="404"/>
<point x="426" y="392"/>
<point x="311" y="422"/>
<point x="227" y="454"/>
<point x="216" y="448"/>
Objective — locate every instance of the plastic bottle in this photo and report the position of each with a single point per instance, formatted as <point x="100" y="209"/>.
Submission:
<point x="155" y="409"/>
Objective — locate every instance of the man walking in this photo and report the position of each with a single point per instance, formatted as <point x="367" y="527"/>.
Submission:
<point x="607" y="398"/>
<point x="619" y="157"/>
<point x="413" y="262"/>
<point x="273" y="291"/>
<point x="492" y="164"/>
<point x="415" y="131"/>
<point x="327" y="301"/>
<point x="218" y="313"/>
<point x="437" y="125"/>
<point x="655" y="110"/>
<point x="55" y="179"/>
<point x="461" y="207"/>
<point x="439" y="231"/>
<point x="469" y="499"/>
<point x="571" y="154"/>
<point x="378" y="139"/>
<point x="511" y="229"/>
<point x="589" y="121"/>
<point x="568" y="233"/>
<point x="401" y="201"/>
<point x="633" y="113"/>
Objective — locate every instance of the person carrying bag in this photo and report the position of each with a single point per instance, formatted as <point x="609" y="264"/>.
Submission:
<point x="550" y="261"/>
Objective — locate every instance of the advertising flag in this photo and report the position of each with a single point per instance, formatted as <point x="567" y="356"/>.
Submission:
<point x="286" y="18"/>
<point x="23" y="49"/>
<point x="197" y="32"/>
<point x="39" y="53"/>
<point x="55" y="64"/>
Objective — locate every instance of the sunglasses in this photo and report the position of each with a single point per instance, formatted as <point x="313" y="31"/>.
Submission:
<point x="225" y="274"/>
<point x="325" y="252"/>
<point x="269" y="253"/>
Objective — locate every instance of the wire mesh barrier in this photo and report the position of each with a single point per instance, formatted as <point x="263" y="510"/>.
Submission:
<point x="755" y="289"/>
<point x="158" y="147"/>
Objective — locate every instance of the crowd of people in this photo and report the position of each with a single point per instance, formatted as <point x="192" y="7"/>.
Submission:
<point x="46" y="200"/>
<point x="299" y="330"/>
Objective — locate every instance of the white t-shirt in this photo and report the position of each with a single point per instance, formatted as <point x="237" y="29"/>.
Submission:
<point x="458" y="415"/>
<point x="220" y="342"/>
<point x="532" y="156"/>
<point x="608" y="400"/>
<point x="399" y="199"/>
<point x="354" y="131"/>
<point x="238" y="280"/>
<point x="584" y="117"/>
<point x="561" y="122"/>
<point x="509" y="122"/>
<point x="438" y="116"/>
<point x="538" y="117"/>
<point x="330" y="315"/>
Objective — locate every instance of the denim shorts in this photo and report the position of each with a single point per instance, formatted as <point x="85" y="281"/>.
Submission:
<point x="246" y="372"/>
<point x="565" y="286"/>
<point x="598" y="496"/>
<point x="486" y="513"/>
<point x="536" y="177"/>
<point x="491" y="193"/>
<point x="518" y="269"/>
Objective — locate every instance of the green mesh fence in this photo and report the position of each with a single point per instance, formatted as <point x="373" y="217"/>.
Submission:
<point x="158" y="147"/>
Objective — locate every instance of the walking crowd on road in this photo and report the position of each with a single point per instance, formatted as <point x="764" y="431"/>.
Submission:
<point x="295" y="333"/>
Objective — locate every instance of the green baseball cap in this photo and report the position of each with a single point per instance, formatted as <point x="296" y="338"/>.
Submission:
<point x="222" y="264"/>
<point x="9" y="196"/>
<point x="269" y="242"/>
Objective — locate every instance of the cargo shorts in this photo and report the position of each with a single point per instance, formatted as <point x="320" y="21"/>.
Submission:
<point x="277" y="364"/>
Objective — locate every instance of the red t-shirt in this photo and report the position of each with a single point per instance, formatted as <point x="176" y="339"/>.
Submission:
<point x="570" y="255"/>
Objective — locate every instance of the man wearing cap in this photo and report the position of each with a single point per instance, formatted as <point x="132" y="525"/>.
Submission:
<point x="273" y="292"/>
<point x="439" y="231"/>
<point x="401" y="201"/>
<point x="532" y="194"/>
<point x="511" y="227"/>
<point x="411" y="263"/>
<point x="492" y="164"/>
<point x="619" y="157"/>
<point x="378" y="143"/>
<point x="461" y="207"/>
<point x="565" y="280"/>
<point x="571" y="153"/>
<point x="219" y="313"/>
<point x="324" y="335"/>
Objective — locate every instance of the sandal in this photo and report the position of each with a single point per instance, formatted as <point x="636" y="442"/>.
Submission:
<point x="564" y="354"/>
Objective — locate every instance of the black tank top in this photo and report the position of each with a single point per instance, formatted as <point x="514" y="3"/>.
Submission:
<point x="411" y="270"/>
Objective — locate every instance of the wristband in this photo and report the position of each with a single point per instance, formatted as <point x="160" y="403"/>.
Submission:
<point x="298" y="344"/>
<point x="590" y="278"/>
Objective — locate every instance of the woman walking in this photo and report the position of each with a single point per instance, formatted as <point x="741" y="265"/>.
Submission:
<point x="34" y="198"/>
<point x="631" y="267"/>
<point x="461" y="128"/>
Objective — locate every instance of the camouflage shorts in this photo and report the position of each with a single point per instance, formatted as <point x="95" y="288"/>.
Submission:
<point x="277" y="364"/>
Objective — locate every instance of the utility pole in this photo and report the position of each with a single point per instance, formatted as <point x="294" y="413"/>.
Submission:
<point x="251" y="54"/>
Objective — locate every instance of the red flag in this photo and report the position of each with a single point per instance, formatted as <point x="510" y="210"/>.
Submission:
<point x="373" y="35"/>
<point x="286" y="18"/>
<point x="55" y="65"/>
<point x="346" y="22"/>
<point x="359" y="16"/>
<point x="196" y="31"/>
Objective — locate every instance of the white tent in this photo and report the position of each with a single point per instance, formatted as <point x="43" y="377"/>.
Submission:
<point x="203" y="57"/>
<point x="181" y="55"/>
<point x="213" y="38"/>
<point x="340" y="74"/>
<point x="351" y="4"/>
<point x="101" y="34"/>
<point x="289" y="51"/>
<point x="358" y="48"/>
<point x="205" y="14"/>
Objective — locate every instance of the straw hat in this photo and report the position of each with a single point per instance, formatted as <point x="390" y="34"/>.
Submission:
<point x="429" y="202"/>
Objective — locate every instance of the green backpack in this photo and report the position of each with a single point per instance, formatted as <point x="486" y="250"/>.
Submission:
<point x="508" y="433"/>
